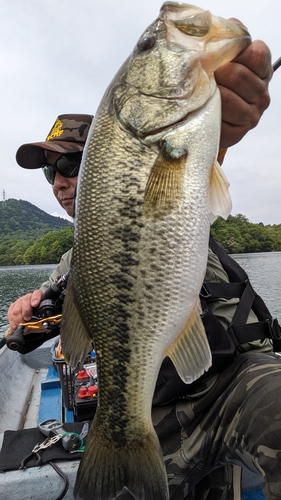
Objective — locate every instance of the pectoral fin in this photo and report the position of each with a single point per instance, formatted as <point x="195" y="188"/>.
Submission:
<point x="76" y="342"/>
<point x="220" y="201"/>
<point x="164" y="188"/>
<point x="190" y="352"/>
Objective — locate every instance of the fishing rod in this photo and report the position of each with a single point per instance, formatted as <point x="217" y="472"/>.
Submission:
<point x="277" y="64"/>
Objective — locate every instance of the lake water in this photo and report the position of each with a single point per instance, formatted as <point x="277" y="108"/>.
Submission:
<point x="264" y="270"/>
<point x="16" y="281"/>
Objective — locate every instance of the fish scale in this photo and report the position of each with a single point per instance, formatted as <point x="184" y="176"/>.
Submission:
<point x="147" y="185"/>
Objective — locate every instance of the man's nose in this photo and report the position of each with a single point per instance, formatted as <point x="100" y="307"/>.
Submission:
<point x="61" y="181"/>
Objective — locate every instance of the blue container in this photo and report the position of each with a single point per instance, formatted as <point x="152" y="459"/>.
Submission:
<point x="256" y="494"/>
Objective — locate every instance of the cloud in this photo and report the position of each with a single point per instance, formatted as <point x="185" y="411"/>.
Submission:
<point x="65" y="216"/>
<point x="59" y="57"/>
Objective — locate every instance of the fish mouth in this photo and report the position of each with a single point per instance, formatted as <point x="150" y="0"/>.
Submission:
<point x="209" y="41"/>
<point x="195" y="21"/>
<point x="196" y="29"/>
<point x="175" y="62"/>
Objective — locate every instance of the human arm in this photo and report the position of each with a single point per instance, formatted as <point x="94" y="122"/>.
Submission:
<point x="61" y="269"/>
<point x="21" y="310"/>
<point x="243" y="85"/>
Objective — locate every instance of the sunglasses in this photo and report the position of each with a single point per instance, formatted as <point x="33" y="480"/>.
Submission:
<point x="66" y="165"/>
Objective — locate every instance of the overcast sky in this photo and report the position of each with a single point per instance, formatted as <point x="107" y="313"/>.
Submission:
<point x="58" y="56"/>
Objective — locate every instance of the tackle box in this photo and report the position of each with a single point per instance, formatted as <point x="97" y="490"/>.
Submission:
<point x="79" y="386"/>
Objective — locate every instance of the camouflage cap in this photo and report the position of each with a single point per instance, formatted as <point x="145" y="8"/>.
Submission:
<point x="68" y="135"/>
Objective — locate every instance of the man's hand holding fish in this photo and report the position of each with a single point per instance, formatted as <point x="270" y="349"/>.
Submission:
<point x="243" y="85"/>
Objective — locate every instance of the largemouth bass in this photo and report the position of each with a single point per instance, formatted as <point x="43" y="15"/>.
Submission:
<point x="147" y="186"/>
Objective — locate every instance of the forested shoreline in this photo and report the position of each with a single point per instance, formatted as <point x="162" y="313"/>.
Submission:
<point x="45" y="250"/>
<point x="29" y="235"/>
<point x="238" y="235"/>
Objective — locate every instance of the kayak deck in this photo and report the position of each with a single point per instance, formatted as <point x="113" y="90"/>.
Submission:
<point x="30" y="393"/>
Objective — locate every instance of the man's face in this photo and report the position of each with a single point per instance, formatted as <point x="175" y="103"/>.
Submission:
<point x="64" y="187"/>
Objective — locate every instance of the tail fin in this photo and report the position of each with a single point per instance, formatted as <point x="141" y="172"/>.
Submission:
<point x="105" y="469"/>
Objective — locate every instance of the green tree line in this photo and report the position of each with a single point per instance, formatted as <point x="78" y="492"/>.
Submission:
<point x="47" y="249"/>
<point x="28" y="235"/>
<point x="238" y="235"/>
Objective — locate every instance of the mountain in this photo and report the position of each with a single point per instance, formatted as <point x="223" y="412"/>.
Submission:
<point x="20" y="219"/>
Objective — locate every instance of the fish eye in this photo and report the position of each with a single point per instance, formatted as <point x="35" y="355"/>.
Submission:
<point x="146" y="43"/>
<point x="198" y="25"/>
